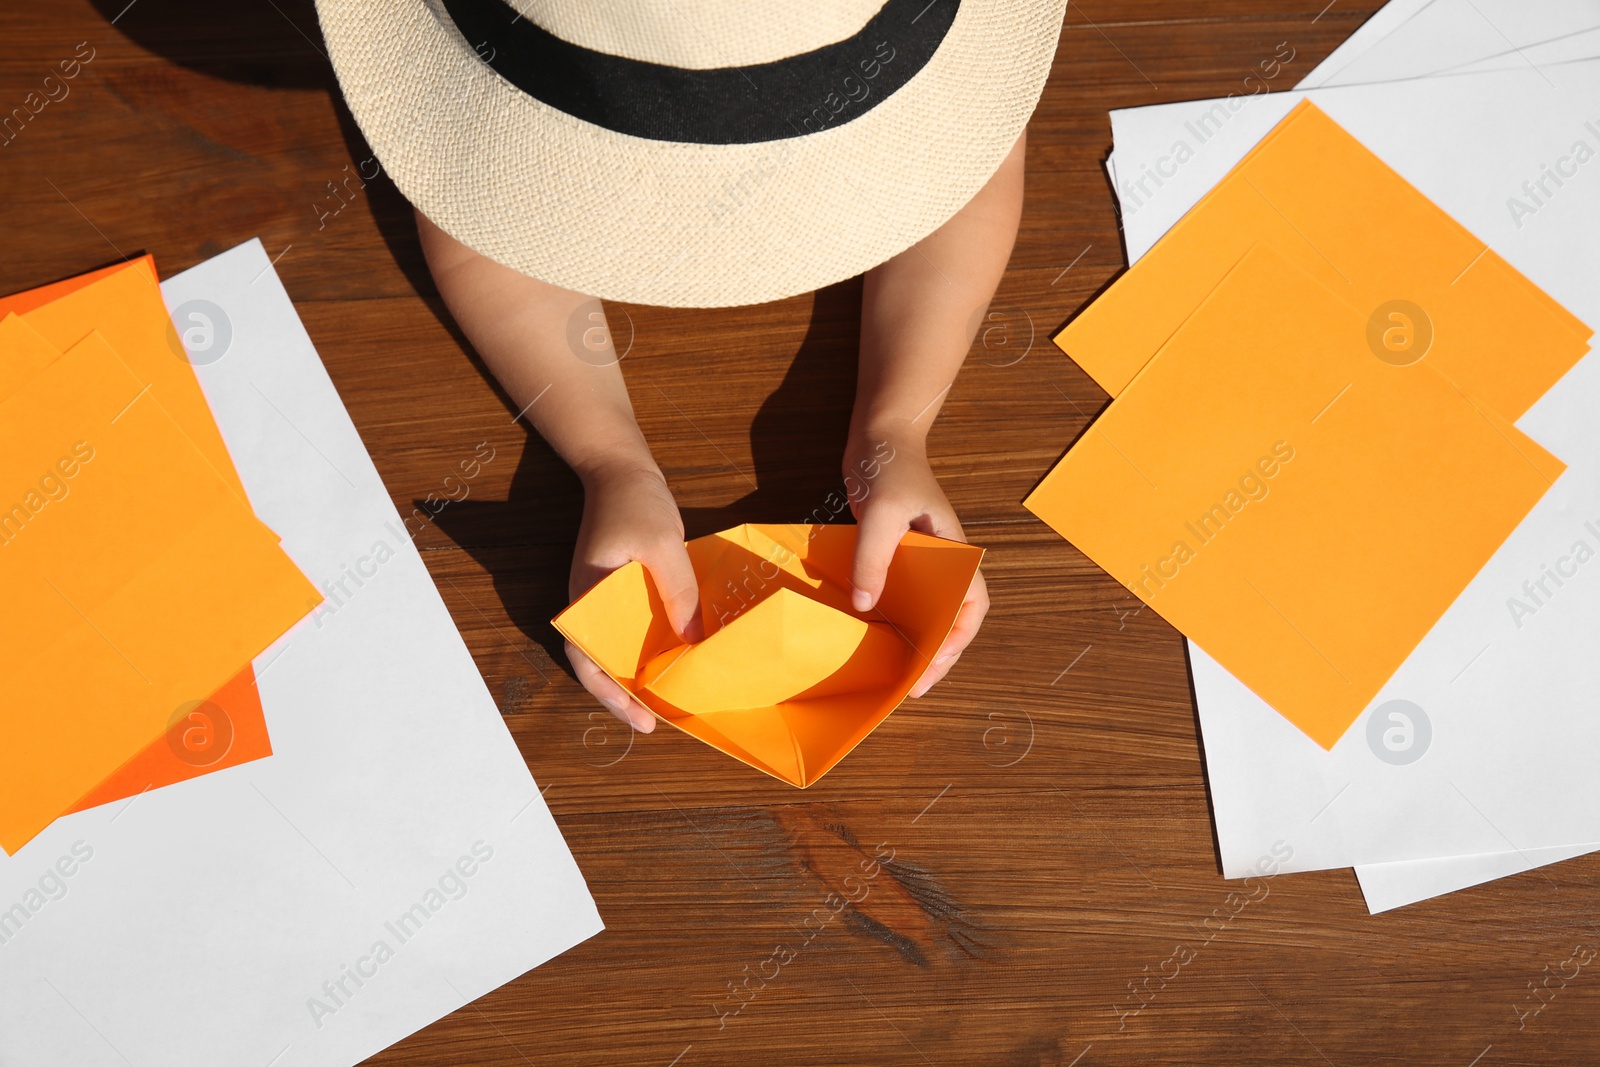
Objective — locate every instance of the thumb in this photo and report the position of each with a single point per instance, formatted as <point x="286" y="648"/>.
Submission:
<point x="675" y="580"/>
<point x="877" y="536"/>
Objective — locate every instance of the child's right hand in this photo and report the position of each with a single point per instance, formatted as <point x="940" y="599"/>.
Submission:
<point x="629" y="514"/>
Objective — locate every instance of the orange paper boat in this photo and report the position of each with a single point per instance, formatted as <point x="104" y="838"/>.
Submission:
<point x="789" y="677"/>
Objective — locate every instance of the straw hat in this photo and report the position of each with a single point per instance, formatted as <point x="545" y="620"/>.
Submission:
<point x="698" y="153"/>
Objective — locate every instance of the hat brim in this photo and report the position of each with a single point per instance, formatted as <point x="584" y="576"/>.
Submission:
<point x="680" y="224"/>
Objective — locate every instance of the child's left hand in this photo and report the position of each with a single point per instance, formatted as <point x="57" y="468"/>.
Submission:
<point x="892" y="489"/>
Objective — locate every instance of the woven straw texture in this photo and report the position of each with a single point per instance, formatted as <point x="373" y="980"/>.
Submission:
<point x="685" y="225"/>
<point x="702" y="34"/>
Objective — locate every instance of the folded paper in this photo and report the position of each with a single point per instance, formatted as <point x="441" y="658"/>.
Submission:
<point x="789" y="677"/>
<point x="805" y="649"/>
<point x="1300" y="508"/>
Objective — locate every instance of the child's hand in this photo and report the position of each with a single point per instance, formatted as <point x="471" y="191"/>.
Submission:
<point x="630" y="515"/>
<point x="893" y="490"/>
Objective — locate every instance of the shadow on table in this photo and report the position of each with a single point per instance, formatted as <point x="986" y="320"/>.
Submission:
<point x="275" y="45"/>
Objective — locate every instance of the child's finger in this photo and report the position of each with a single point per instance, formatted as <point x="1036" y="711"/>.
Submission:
<point x="973" y="611"/>
<point x="932" y="676"/>
<point x="961" y="635"/>
<point x="673" y="575"/>
<point x="970" y="618"/>
<point x="608" y="692"/>
<point x="877" y="536"/>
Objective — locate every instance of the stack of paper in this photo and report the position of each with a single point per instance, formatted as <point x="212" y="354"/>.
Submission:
<point x="1391" y="630"/>
<point x="139" y="583"/>
<point x="391" y="859"/>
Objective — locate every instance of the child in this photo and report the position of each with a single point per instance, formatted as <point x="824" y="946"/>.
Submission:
<point x="572" y="150"/>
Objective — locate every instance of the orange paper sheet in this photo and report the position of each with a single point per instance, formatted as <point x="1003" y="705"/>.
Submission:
<point x="23" y="354"/>
<point x="1322" y="201"/>
<point x="1300" y="508"/>
<point x="225" y="730"/>
<point x="28" y="299"/>
<point x="138" y="581"/>
<point x="789" y="678"/>
<point x="145" y="331"/>
<point x="123" y="304"/>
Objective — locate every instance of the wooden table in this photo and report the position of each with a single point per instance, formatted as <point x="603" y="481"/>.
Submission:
<point x="1041" y="818"/>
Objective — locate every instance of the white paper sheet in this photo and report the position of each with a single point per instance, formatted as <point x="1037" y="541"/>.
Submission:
<point x="1420" y="38"/>
<point x="1384" y="21"/>
<point x="1387" y="886"/>
<point x="203" y="923"/>
<point x="1154" y="192"/>
<point x="1387" y="20"/>
<point x="1468" y="143"/>
<point x="1460" y="35"/>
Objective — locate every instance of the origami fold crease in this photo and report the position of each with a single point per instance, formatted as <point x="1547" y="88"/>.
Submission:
<point x="803" y="649"/>
<point x="789" y="677"/>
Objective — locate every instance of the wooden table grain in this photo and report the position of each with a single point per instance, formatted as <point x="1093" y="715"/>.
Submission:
<point x="1031" y="841"/>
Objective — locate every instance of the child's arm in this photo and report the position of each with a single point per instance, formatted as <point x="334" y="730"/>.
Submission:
<point x="918" y="317"/>
<point x="519" y="326"/>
